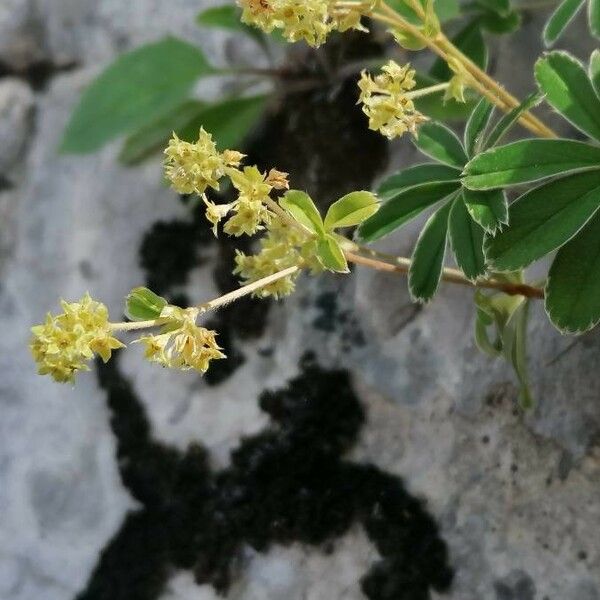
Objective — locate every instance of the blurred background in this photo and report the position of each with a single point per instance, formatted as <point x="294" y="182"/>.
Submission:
<point x="92" y="470"/>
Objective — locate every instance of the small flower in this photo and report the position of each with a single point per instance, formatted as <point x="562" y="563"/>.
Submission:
<point x="251" y="183"/>
<point x="194" y="167"/>
<point x="215" y="213"/>
<point x="458" y="83"/>
<point x="249" y="216"/>
<point x="386" y="101"/>
<point x="64" y="343"/>
<point x="182" y="344"/>
<point x="278" y="180"/>
<point x="282" y="247"/>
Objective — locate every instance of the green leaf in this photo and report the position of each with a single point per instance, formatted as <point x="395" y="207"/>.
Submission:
<point x="331" y="255"/>
<point x="351" y="209"/>
<point x="229" y="121"/>
<point x="228" y="17"/>
<point x="595" y="70"/>
<point x="135" y="90"/>
<point x="436" y="107"/>
<point x="476" y="126"/>
<point x="154" y="136"/>
<point x="594" y="17"/>
<point x="573" y="286"/>
<point x="559" y="20"/>
<point x="428" y="256"/>
<point x="500" y="7"/>
<point x="466" y="238"/>
<point x="425" y="173"/>
<point x="529" y="160"/>
<point x="509" y="119"/>
<point x="508" y="316"/>
<point x="501" y="24"/>
<point x="514" y="344"/>
<point x="303" y="209"/>
<point x="544" y="219"/>
<point x="488" y="208"/>
<point x="441" y="144"/>
<point x="143" y="304"/>
<point x="471" y="43"/>
<point x="568" y="89"/>
<point x="403" y="207"/>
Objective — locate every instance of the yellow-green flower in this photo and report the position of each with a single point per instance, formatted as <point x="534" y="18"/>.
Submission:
<point x="194" y="167"/>
<point x="215" y="213"/>
<point x="64" y="344"/>
<point x="386" y="101"/>
<point x="282" y="247"/>
<point x="308" y="20"/>
<point x="182" y="344"/>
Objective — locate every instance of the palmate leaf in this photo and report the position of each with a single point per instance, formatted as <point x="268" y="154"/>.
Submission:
<point x="564" y="81"/>
<point x="428" y="256"/>
<point x="529" y="160"/>
<point x="489" y="208"/>
<point x="466" y="239"/>
<point x="573" y="285"/>
<point x="136" y="89"/>
<point x="403" y="207"/>
<point x="560" y="19"/>
<point x="416" y="175"/>
<point x="544" y="219"/>
<point x="441" y="144"/>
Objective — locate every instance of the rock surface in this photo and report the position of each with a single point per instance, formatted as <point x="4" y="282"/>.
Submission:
<point x="517" y="498"/>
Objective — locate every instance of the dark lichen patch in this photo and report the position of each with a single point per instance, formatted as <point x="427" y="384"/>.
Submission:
<point x="289" y="483"/>
<point x="331" y="317"/>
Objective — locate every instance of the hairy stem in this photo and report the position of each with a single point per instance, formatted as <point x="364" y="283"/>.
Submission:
<point x="394" y="264"/>
<point x="479" y="80"/>
<point x="211" y="304"/>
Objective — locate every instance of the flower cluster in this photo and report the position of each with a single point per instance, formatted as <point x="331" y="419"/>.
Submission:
<point x="283" y="246"/>
<point x="182" y="344"/>
<point x="194" y="167"/>
<point x="308" y="20"/>
<point x="387" y="103"/>
<point x="64" y="344"/>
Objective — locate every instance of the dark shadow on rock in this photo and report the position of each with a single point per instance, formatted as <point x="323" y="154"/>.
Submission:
<point x="289" y="483"/>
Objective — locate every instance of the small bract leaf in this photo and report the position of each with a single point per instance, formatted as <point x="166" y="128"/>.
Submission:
<point x="143" y="304"/>
<point x="331" y="254"/>
<point x="560" y="19"/>
<point x="403" y="207"/>
<point x="529" y="160"/>
<point x="351" y="209"/>
<point x="441" y="144"/>
<point x="302" y="208"/>
<point x="573" y="286"/>
<point x="428" y="256"/>
<point x="544" y="219"/>
<point x="568" y="89"/>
